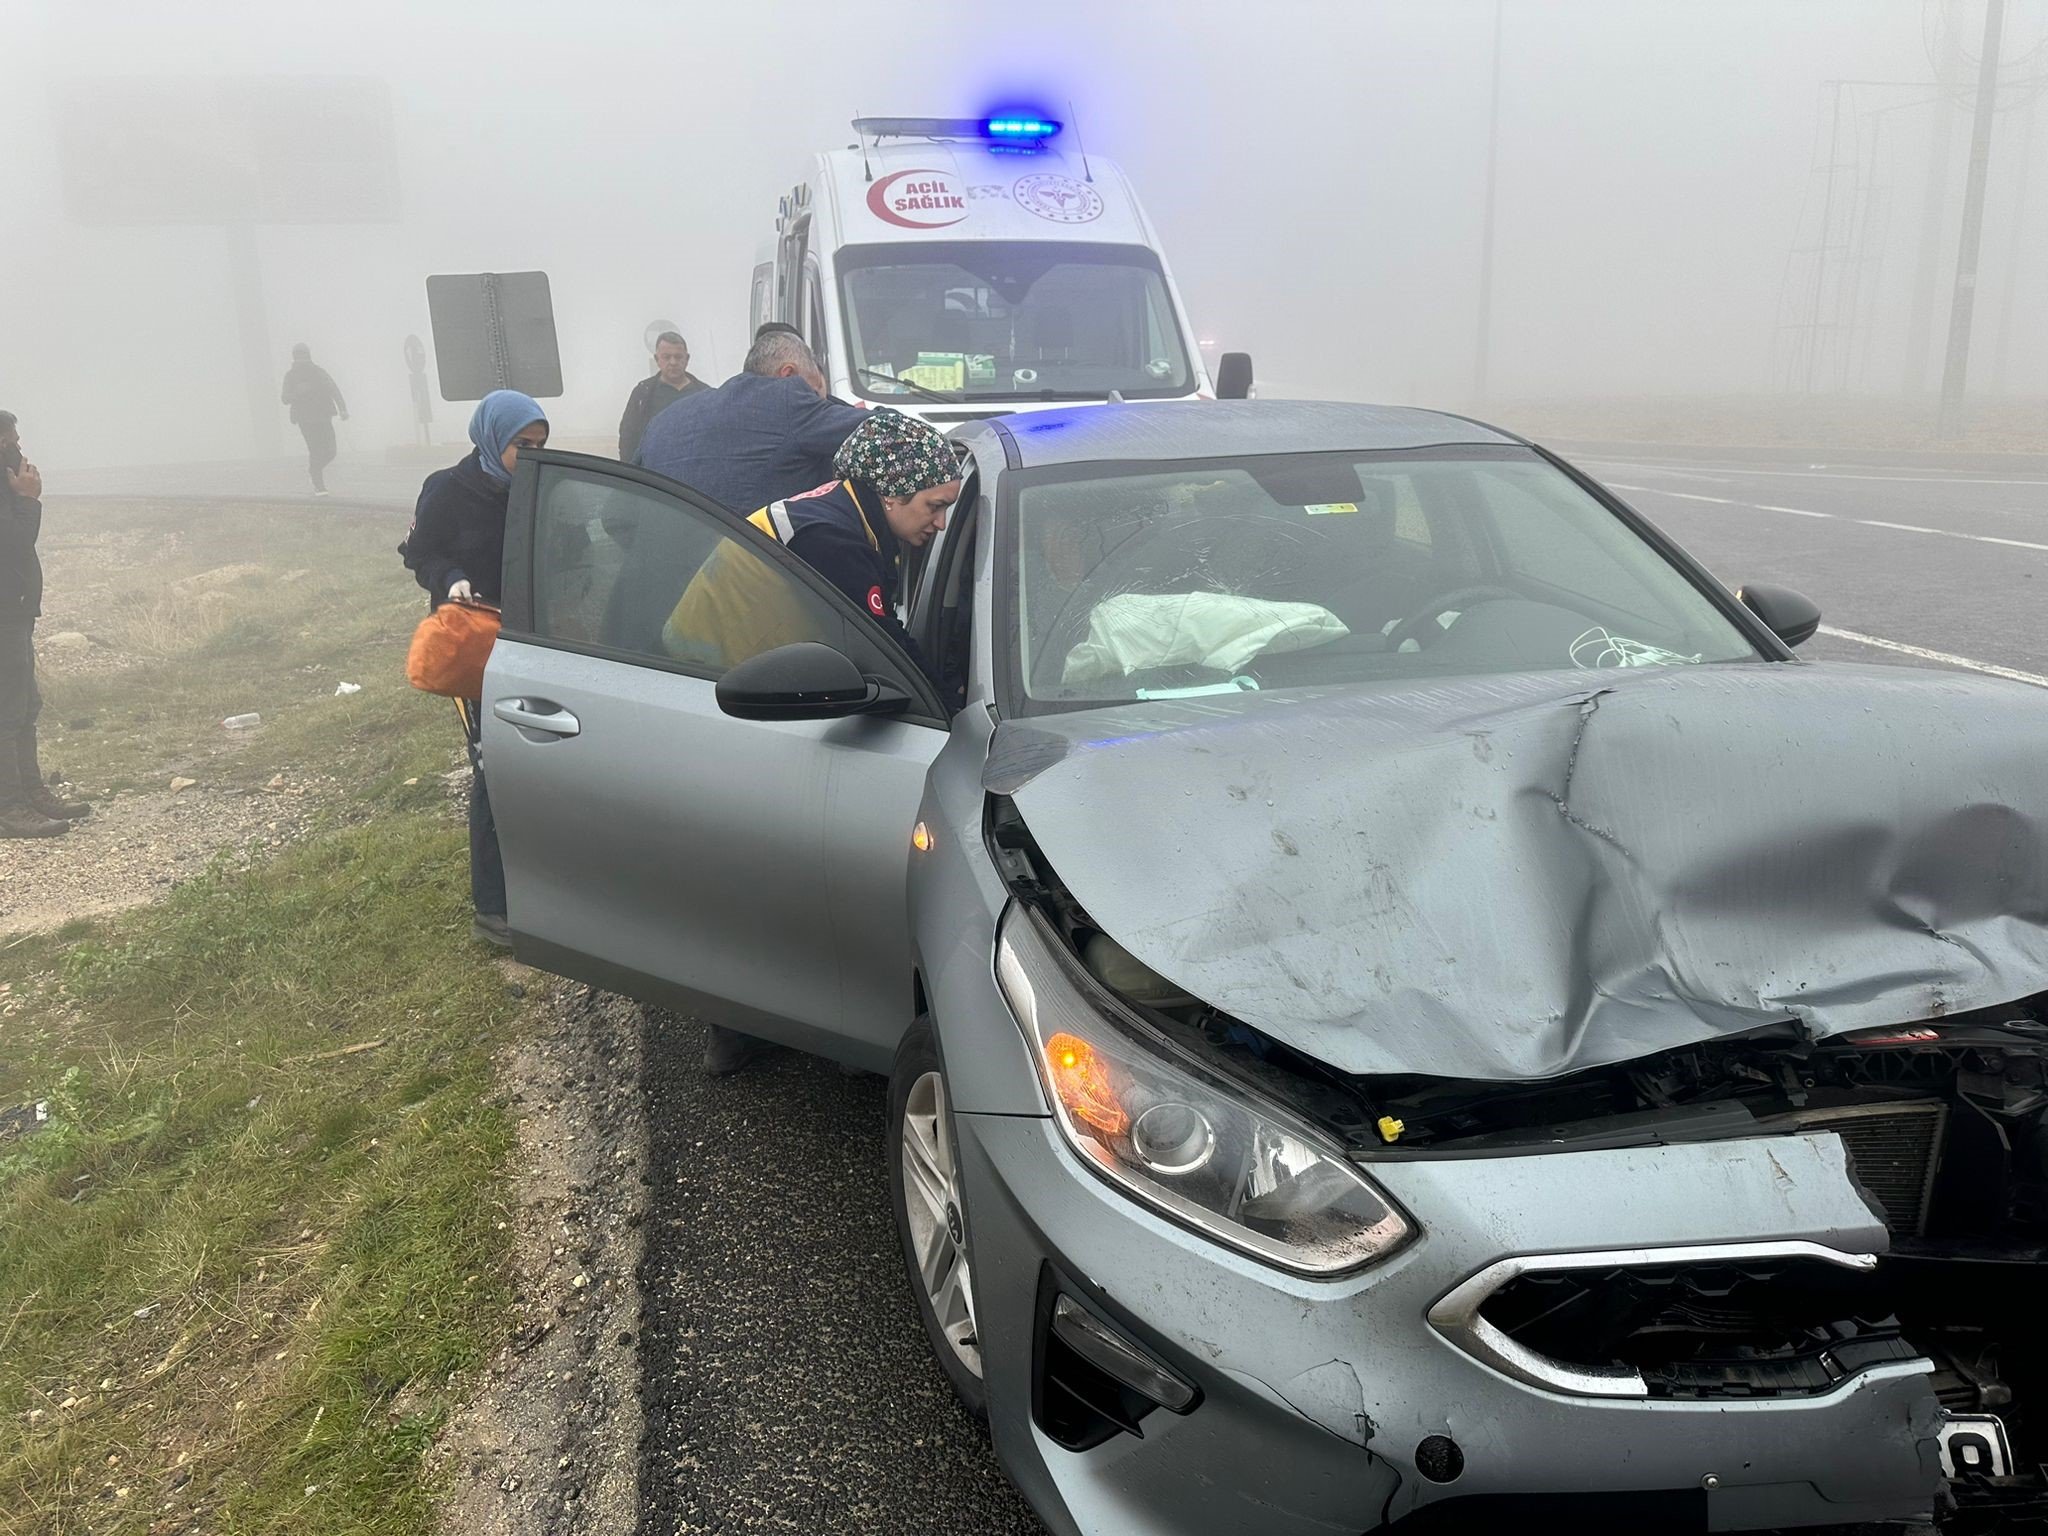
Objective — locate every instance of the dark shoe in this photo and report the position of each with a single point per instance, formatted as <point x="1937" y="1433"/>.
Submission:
<point x="727" y="1051"/>
<point x="491" y="928"/>
<point x="56" y="809"/>
<point x="27" y="821"/>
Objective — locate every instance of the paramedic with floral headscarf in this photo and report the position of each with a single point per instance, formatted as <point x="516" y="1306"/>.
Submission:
<point x="456" y="550"/>
<point x="898" y="479"/>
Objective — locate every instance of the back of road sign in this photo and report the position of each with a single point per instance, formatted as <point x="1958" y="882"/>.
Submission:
<point x="494" y="330"/>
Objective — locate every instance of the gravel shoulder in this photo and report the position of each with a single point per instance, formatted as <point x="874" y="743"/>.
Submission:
<point x="548" y="1444"/>
<point x="137" y="846"/>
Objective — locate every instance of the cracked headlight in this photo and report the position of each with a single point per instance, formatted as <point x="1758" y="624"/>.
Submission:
<point x="1185" y="1141"/>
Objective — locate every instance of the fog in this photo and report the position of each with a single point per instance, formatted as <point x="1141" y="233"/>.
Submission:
<point x="1317" y="173"/>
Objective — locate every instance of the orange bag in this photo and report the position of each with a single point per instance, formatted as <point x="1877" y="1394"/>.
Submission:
<point x="449" y="650"/>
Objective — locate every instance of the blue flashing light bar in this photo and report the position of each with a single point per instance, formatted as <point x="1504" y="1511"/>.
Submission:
<point x="1017" y="133"/>
<point x="1013" y="128"/>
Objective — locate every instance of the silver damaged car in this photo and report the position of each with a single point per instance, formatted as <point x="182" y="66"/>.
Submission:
<point x="1406" y="1004"/>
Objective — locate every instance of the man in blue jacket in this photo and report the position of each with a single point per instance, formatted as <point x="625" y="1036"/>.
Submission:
<point x="765" y="433"/>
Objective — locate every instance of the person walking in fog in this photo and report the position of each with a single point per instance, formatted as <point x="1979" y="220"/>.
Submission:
<point x="315" y="401"/>
<point x="27" y="808"/>
<point x="456" y="550"/>
<point x="670" y="381"/>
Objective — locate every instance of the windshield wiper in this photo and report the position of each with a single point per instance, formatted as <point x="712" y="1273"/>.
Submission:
<point x="931" y="394"/>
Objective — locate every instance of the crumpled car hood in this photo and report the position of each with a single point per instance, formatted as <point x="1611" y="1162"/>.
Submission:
<point x="1515" y="877"/>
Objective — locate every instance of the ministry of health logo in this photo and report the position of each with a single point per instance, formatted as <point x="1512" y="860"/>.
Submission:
<point x="1058" y="198"/>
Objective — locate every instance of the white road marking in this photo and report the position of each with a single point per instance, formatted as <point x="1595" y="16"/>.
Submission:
<point x="1814" y="472"/>
<point x="1721" y="501"/>
<point x="1944" y="657"/>
<point x="1867" y="522"/>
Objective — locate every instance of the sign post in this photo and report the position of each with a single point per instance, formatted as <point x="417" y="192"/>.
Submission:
<point x="494" y="330"/>
<point x="422" y="397"/>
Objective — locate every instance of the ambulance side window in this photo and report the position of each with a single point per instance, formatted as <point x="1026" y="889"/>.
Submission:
<point x="758" y="304"/>
<point x="789" y="271"/>
<point x="813" y="324"/>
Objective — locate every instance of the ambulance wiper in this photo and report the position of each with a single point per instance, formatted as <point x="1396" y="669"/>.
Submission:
<point x="889" y="378"/>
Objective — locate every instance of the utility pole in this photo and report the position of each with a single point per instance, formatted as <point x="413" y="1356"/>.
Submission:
<point x="1481" y="360"/>
<point x="1933" y="207"/>
<point x="2015" y="261"/>
<point x="1956" y="371"/>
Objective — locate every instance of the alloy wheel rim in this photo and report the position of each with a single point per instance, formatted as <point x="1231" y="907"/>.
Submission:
<point x="931" y="1198"/>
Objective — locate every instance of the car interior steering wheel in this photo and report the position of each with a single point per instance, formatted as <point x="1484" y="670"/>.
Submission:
<point x="1421" y="626"/>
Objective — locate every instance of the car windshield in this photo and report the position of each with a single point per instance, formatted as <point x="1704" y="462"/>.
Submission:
<point x="1328" y="569"/>
<point x="1011" y="320"/>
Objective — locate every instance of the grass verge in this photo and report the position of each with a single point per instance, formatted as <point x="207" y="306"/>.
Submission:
<point x="191" y="614"/>
<point x="259" y="1231"/>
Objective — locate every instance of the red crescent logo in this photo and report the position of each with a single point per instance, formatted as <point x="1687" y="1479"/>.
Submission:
<point x="876" y="605"/>
<point x="917" y="200"/>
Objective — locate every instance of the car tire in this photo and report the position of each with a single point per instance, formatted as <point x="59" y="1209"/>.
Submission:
<point x="931" y="1216"/>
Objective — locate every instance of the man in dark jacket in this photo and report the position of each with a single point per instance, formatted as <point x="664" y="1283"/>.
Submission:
<point x="315" y="401"/>
<point x="670" y="381"/>
<point x="765" y="433"/>
<point x="27" y="808"/>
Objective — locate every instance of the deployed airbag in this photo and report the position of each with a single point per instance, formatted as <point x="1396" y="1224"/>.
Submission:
<point x="1135" y="632"/>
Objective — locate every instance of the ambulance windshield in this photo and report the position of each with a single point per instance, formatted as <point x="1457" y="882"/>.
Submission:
<point x="1011" y="320"/>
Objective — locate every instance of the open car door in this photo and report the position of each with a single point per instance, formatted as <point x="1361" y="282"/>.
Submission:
<point x="751" y="872"/>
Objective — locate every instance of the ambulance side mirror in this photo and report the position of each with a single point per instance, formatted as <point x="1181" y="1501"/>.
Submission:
<point x="1234" y="376"/>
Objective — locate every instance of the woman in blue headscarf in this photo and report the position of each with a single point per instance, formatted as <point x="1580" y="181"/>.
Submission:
<point x="456" y="550"/>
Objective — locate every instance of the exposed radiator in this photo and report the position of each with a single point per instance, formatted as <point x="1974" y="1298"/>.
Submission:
<point x="1895" y="1150"/>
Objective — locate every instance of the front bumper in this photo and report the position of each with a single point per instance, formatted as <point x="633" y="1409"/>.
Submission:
<point x="1317" y="1394"/>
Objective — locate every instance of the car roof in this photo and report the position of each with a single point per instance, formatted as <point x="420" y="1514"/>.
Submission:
<point x="1208" y="429"/>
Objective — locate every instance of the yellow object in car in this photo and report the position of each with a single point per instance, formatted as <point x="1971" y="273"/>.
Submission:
<point x="738" y="605"/>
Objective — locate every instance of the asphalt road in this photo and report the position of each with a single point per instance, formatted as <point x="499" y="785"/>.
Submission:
<point x="1954" y="562"/>
<point x="785" y="1376"/>
<point x="789" y="1385"/>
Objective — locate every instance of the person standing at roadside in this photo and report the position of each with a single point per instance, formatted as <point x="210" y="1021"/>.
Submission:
<point x="670" y="381"/>
<point x="315" y="401"/>
<point x="27" y="808"/>
<point x="456" y="551"/>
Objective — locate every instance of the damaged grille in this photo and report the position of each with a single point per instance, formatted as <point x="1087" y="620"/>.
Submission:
<point x="1704" y="1330"/>
<point x="1895" y="1150"/>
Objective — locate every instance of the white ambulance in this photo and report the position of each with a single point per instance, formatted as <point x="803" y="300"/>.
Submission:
<point x="962" y="268"/>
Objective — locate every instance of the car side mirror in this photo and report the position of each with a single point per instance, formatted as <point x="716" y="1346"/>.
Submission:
<point x="1791" y="616"/>
<point x="1234" y="376"/>
<point x="805" y="681"/>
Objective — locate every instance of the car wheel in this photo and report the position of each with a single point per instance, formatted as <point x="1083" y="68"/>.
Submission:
<point x="931" y="1213"/>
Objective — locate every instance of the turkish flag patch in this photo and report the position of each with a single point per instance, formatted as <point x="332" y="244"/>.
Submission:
<point x="876" y="605"/>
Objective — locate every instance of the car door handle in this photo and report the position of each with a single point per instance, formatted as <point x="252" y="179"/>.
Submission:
<point x="537" y="715"/>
